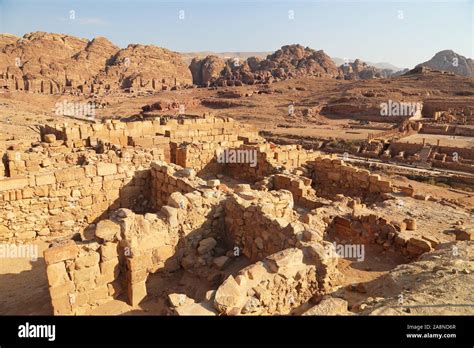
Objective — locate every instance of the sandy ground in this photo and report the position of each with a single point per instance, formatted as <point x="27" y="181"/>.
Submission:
<point x="23" y="284"/>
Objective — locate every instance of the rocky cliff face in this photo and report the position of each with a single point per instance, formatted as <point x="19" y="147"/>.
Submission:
<point x="206" y="71"/>
<point x="45" y="62"/>
<point x="449" y="60"/>
<point x="290" y="61"/>
<point x="359" y="70"/>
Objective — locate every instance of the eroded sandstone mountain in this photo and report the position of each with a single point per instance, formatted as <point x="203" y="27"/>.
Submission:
<point x="290" y="61"/>
<point x="45" y="62"/>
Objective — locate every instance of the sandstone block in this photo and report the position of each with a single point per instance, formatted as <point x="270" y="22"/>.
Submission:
<point x="329" y="306"/>
<point x="106" y="168"/>
<point x="57" y="274"/>
<point x="86" y="274"/>
<point x="65" y="251"/>
<point x="62" y="290"/>
<point x="285" y="258"/>
<point x="178" y="200"/>
<point x="422" y="244"/>
<point x="138" y="262"/>
<point x="13" y="184"/>
<point x="107" y="230"/>
<point x="410" y="224"/>
<point x="164" y="252"/>
<point x="110" y="268"/>
<point x="99" y="293"/>
<point x="213" y="183"/>
<point x="137" y="276"/>
<point x="242" y="188"/>
<point x="87" y="260"/>
<point x="256" y="271"/>
<point x="70" y="174"/>
<point x="61" y="306"/>
<point x="109" y="251"/>
<point x="402" y="238"/>
<point x="229" y="297"/>
<point x="48" y="179"/>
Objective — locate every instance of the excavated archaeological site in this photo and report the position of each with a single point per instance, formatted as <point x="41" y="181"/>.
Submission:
<point x="211" y="219"/>
<point x="281" y="186"/>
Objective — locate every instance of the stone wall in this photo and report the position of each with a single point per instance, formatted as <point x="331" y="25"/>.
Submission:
<point x="333" y="176"/>
<point x="204" y="158"/>
<point x="277" y="284"/>
<point x="408" y="149"/>
<point x="443" y="129"/>
<point x="124" y="249"/>
<point x="169" y="178"/>
<point x="270" y="158"/>
<point x="262" y="223"/>
<point x="300" y="187"/>
<point x="400" y="236"/>
<point x="62" y="202"/>
<point x="82" y="276"/>
<point x="457" y="166"/>
<point x="185" y="129"/>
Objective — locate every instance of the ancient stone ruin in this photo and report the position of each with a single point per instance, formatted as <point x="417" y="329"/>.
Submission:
<point x="256" y="224"/>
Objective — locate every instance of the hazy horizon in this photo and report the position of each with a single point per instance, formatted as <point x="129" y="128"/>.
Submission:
<point x="400" y="33"/>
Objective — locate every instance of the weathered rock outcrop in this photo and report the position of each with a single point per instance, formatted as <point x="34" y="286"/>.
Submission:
<point x="51" y="63"/>
<point x="449" y="60"/>
<point x="290" y="61"/>
<point x="207" y="70"/>
<point x="359" y="70"/>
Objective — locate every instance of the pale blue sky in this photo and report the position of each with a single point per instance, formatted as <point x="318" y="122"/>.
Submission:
<point x="371" y="30"/>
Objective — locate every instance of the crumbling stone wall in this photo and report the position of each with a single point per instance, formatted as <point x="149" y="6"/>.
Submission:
<point x="447" y="130"/>
<point x="277" y="284"/>
<point x="126" y="248"/>
<point x="44" y="157"/>
<point x="65" y="201"/>
<point x="262" y="223"/>
<point x="82" y="276"/>
<point x="400" y="236"/>
<point x="333" y="176"/>
<point x="407" y="149"/>
<point x="182" y="234"/>
<point x="144" y="133"/>
<point x="169" y="178"/>
<point x="303" y="193"/>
